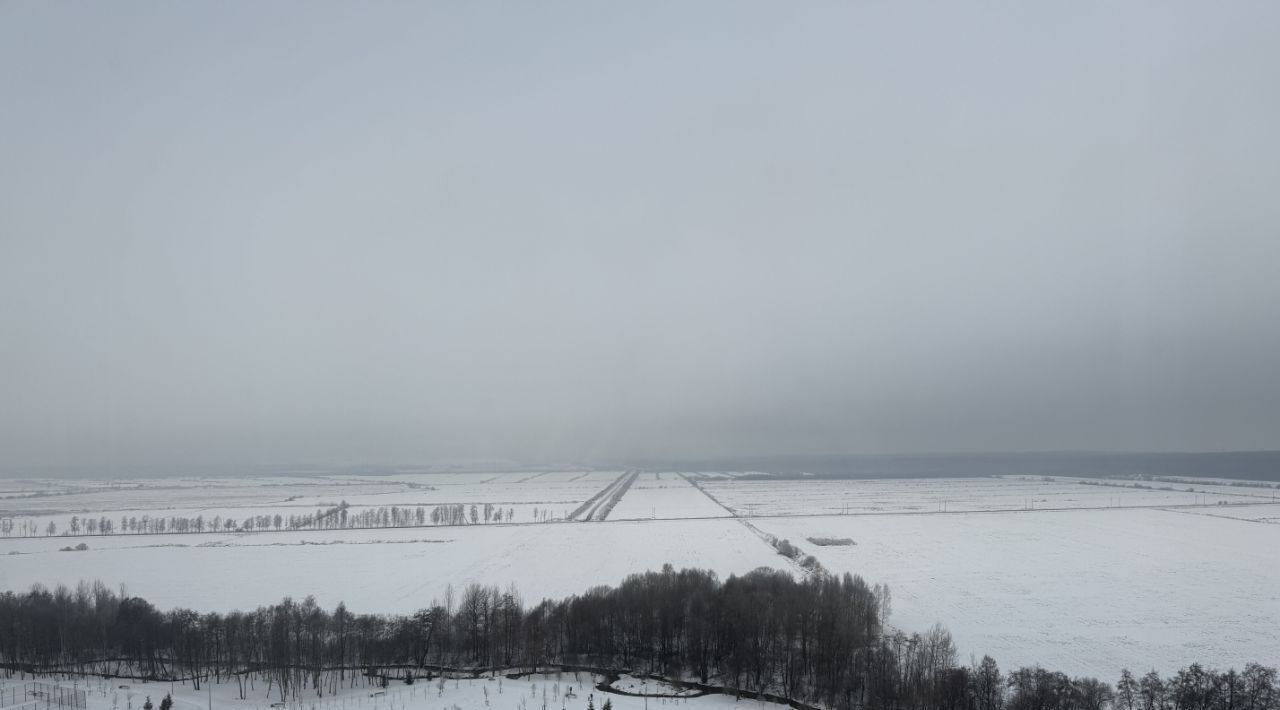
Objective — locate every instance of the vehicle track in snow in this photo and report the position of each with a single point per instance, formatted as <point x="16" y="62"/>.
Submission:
<point x="597" y="507"/>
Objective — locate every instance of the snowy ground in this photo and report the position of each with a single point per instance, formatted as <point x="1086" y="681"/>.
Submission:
<point x="1079" y="577"/>
<point x="1254" y="513"/>
<point x="383" y="570"/>
<point x="658" y="495"/>
<point x="38" y="503"/>
<point x="1081" y="591"/>
<point x="931" y="495"/>
<point x="565" y="691"/>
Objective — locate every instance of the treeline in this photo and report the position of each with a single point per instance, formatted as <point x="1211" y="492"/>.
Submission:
<point x="334" y="518"/>
<point x="820" y="640"/>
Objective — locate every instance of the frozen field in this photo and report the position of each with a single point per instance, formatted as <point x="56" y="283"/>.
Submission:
<point x="665" y="495"/>
<point x="1080" y="591"/>
<point x="931" y="495"/>
<point x="383" y="570"/>
<point x="1269" y="513"/>
<point x="32" y="505"/>
<point x="524" y="693"/>
<point x="1081" y="577"/>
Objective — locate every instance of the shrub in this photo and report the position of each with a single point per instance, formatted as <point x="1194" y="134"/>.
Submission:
<point x="831" y="541"/>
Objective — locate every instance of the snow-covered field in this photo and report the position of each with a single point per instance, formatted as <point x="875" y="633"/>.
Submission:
<point x="1269" y="513"/>
<point x="32" y="505"/>
<point x="162" y="494"/>
<point x="562" y="691"/>
<point x="381" y="570"/>
<point x="932" y="495"/>
<point x="1080" y="591"/>
<point x="665" y="495"/>
<point x="1080" y="577"/>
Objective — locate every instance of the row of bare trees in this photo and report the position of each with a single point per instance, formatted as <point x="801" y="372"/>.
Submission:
<point x="820" y="640"/>
<point x="333" y="518"/>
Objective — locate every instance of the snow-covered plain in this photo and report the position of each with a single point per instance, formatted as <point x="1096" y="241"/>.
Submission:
<point x="1081" y="591"/>
<point x="1079" y="577"/>
<point x="657" y="495"/>
<point x="1254" y="513"/>
<point x="393" y="570"/>
<point x="39" y="503"/>
<point x="933" y="495"/>
<point x="494" y="693"/>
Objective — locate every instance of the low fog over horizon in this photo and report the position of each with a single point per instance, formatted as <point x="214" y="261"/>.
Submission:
<point x="237" y="234"/>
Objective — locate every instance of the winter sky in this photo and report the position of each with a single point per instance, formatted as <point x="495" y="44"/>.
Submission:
<point x="240" y="232"/>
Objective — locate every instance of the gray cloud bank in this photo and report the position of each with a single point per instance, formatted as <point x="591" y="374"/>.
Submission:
<point x="247" y="233"/>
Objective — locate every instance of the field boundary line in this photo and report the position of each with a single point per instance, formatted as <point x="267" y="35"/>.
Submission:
<point x="1222" y="517"/>
<point x="1189" y="508"/>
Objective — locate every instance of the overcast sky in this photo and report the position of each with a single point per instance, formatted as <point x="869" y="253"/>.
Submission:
<point x="240" y="233"/>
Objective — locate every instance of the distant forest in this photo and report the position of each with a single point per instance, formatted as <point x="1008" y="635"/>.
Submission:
<point x="819" y="641"/>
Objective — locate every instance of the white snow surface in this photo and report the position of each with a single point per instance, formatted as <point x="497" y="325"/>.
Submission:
<point x="1078" y="577"/>
<point x="1079" y="591"/>
<point x="655" y="495"/>
<point x="934" y="495"/>
<point x="486" y="693"/>
<point x="391" y="570"/>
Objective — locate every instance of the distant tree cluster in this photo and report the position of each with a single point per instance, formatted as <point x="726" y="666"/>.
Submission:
<point x="31" y="527"/>
<point x="334" y="518"/>
<point x="460" y="514"/>
<point x="1192" y="688"/>
<point x="1215" y="482"/>
<point x="795" y="554"/>
<point x="820" y="640"/>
